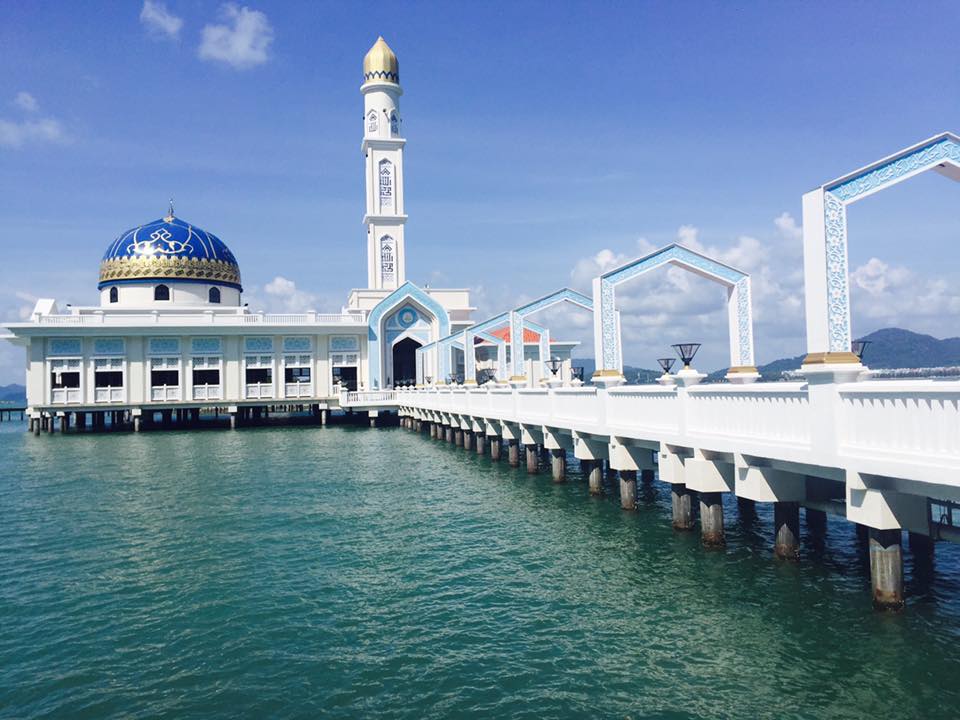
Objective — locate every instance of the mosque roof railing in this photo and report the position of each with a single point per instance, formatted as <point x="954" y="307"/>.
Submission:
<point x="207" y="318"/>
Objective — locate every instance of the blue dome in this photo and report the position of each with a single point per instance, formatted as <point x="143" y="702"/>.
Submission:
<point x="169" y="249"/>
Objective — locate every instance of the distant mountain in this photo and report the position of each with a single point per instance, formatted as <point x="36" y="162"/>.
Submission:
<point x="888" y="349"/>
<point x="13" y="393"/>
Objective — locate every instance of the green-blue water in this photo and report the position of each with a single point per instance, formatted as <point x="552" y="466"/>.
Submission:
<point x="348" y="573"/>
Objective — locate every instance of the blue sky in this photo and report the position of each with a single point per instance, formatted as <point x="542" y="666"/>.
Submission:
<point x="544" y="141"/>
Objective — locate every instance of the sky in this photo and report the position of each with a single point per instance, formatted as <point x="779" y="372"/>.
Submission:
<point x="546" y="142"/>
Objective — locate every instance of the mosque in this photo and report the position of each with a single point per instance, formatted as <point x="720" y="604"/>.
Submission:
<point x="172" y="330"/>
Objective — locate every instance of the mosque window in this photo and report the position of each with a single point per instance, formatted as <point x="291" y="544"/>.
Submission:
<point x="108" y="379"/>
<point x="161" y="292"/>
<point x="114" y="294"/>
<point x="206" y="377"/>
<point x="214" y="295"/>
<point x="165" y="378"/>
<point x="386" y="184"/>
<point x="372" y="125"/>
<point x="388" y="267"/>
<point x="258" y="376"/>
<point x="394" y="124"/>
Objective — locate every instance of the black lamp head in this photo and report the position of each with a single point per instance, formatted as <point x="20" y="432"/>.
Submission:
<point x="857" y="347"/>
<point x="686" y="351"/>
<point x="666" y="364"/>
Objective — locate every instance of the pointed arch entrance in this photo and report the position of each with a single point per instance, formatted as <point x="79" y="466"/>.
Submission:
<point x="404" y="356"/>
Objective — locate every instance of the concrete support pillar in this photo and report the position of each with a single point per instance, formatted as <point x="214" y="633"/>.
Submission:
<point x="558" y="465"/>
<point x="324" y="416"/>
<point x="786" y="526"/>
<point x="886" y="569"/>
<point x="628" y="489"/>
<point x="136" y="423"/>
<point x="711" y="519"/>
<point x="513" y="452"/>
<point x="647" y="476"/>
<point x="458" y="437"/>
<point x="65" y="422"/>
<point x="533" y="459"/>
<point x="496" y="446"/>
<point x="681" y="500"/>
<point x="233" y="421"/>
<point x="373" y="419"/>
<point x="595" y="477"/>
<point x="467" y="440"/>
<point x="448" y="434"/>
<point x="481" y="444"/>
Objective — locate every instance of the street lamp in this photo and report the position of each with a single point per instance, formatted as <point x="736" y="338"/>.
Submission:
<point x="428" y="378"/>
<point x="666" y="364"/>
<point x="857" y="347"/>
<point x="554" y="364"/>
<point x="451" y="378"/>
<point x="686" y="351"/>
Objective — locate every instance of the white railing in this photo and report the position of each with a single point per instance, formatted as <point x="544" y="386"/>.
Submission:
<point x="369" y="397"/>
<point x="898" y="429"/>
<point x="207" y="392"/>
<point x="108" y="394"/>
<point x="201" y="318"/>
<point x="65" y="396"/>
<point x="298" y="390"/>
<point x="165" y="393"/>
<point x="259" y="391"/>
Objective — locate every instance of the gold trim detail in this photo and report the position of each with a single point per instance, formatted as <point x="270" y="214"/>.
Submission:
<point x="831" y="358"/>
<point x="169" y="268"/>
<point x="518" y="378"/>
<point x="742" y="369"/>
<point x="606" y="373"/>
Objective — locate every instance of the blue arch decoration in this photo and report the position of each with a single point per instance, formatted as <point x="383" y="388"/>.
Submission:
<point x="607" y="344"/>
<point x="517" y="322"/>
<point x="826" y="279"/>
<point x="408" y="292"/>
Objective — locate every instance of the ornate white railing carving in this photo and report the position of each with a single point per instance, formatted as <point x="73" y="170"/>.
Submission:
<point x="204" y="318"/>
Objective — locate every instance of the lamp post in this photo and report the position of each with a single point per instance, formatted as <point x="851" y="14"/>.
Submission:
<point x="858" y="347"/>
<point x="554" y="364"/>
<point x="687" y="375"/>
<point x="666" y="364"/>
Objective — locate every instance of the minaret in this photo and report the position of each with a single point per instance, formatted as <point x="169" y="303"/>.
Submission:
<point x="383" y="158"/>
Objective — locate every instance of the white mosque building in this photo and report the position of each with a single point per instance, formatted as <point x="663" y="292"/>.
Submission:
<point x="172" y="331"/>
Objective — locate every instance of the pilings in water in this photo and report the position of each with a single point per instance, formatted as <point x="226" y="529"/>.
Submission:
<point x="786" y="527"/>
<point x="681" y="501"/>
<point x="711" y="519"/>
<point x="513" y="452"/>
<point x="496" y="447"/>
<point x="467" y="440"/>
<point x="481" y="441"/>
<point x="886" y="569"/>
<point x="595" y="476"/>
<point x="628" y="489"/>
<point x="533" y="459"/>
<point x="558" y="465"/>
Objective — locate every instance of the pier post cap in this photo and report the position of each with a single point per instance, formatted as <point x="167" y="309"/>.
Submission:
<point x="688" y="376"/>
<point x="832" y="367"/>
<point x="518" y="381"/>
<point x="742" y="374"/>
<point x="608" y="378"/>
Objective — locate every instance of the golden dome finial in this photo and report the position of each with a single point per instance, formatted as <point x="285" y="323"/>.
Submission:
<point x="380" y="63"/>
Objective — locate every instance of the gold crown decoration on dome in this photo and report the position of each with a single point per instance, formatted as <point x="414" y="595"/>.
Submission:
<point x="173" y="268"/>
<point x="381" y="63"/>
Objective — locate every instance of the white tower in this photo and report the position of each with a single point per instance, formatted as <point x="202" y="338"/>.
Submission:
<point x="383" y="158"/>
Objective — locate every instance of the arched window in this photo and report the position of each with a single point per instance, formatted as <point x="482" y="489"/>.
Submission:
<point x="114" y="294"/>
<point x="214" y="295"/>
<point x="161" y="292"/>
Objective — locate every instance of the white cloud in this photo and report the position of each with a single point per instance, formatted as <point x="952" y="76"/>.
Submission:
<point x="243" y="42"/>
<point x="15" y="134"/>
<point x="159" y="20"/>
<point x="26" y="101"/>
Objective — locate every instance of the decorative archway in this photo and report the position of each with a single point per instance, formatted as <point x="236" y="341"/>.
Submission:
<point x="517" y="316"/>
<point x="606" y="328"/>
<point x="825" y="266"/>
<point x="422" y="310"/>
